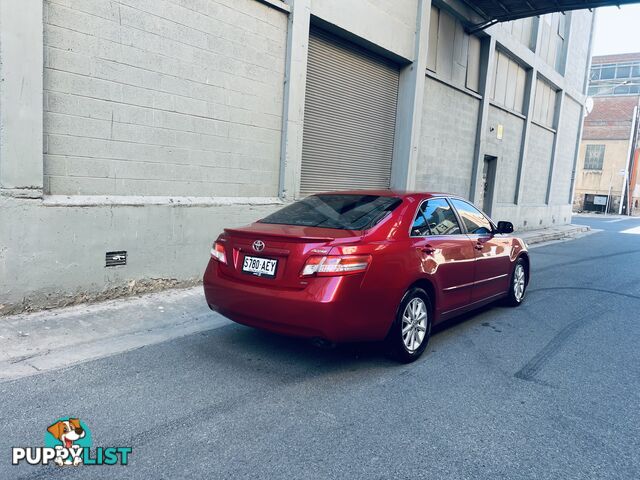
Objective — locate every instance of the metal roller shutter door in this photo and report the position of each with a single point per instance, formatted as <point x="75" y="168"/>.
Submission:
<point x="350" y="117"/>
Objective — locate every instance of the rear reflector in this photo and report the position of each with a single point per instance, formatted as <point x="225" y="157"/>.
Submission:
<point x="217" y="252"/>
<point x="335" y="265"/>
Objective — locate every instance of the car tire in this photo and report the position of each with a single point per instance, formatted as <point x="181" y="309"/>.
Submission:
<point x="409" y="334"/>
<point x="518" y="283"/>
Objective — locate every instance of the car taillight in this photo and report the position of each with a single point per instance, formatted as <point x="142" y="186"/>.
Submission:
<point x="335" y="265"/>
<point x="217" y="252"/>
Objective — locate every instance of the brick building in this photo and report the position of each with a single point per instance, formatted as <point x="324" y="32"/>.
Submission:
<point x="146" y="126"/>
<point x="606" y="165"/>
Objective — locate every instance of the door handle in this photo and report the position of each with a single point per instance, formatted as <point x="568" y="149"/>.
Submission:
<point x="428" y="249"/>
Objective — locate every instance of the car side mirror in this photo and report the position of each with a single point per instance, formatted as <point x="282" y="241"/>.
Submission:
<point x="505" y="227"/>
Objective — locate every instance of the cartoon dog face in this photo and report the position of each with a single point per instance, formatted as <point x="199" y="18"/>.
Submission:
<point x="67" y="431"/>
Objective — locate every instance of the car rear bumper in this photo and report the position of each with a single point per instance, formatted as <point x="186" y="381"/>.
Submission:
<point x="332" y="308"/>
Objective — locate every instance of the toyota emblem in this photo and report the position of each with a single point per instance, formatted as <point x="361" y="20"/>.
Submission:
<point x="258" y="245"/>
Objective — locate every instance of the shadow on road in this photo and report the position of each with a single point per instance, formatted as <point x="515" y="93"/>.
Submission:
<point x="253" y="349"/>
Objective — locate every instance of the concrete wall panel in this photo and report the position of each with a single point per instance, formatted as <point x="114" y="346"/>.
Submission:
<point x="388" y="24"/>
<point x="447" y="139"/>
<point x="565" y="152"/>
<point x="21" y="136"/>
<point x="578" y="49"/>
<point x="507" y="151"/>
<point x="162" y="98"/>
<point x="64" y="262"/>
<point x="536" y="167"/>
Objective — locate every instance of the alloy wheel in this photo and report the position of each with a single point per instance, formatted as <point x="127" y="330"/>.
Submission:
<point x="414" y="324"/>
<point x="519" y="280"/>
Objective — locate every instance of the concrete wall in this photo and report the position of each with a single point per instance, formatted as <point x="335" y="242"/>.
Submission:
<point x="160" y="97"/>
<point x="387" y="24"/>
<point x="21" y="97"/>
<point x="565" y="152"/>
<point x="534" y="162"/>
<point x="162" y="126"/>
<point x="446" y="141"/>
<point x="165" y="121"/>
<point x="507" y="151"/>
<point x="578" y="49"/>
<point x="537" y="164"/>
<point x="54" y="254"/>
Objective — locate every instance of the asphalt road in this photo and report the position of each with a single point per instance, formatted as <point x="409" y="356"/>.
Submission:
<point x="547" y="390"/>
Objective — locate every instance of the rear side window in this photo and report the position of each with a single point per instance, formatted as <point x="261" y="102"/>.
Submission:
<point x="341" y="211"/>
<point x="435" y="217"/>
<point x="473" y="219"/>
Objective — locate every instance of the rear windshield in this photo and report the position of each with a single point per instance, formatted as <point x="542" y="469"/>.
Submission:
<point x="342" y="211"/>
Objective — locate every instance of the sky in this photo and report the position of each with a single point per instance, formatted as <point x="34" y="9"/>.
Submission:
<point x="617" y="30"/>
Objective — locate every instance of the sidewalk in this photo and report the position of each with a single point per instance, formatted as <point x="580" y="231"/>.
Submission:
<point x="35" y="342"/>
<point x="51" y="339"/>
<point x="561" y="232"/>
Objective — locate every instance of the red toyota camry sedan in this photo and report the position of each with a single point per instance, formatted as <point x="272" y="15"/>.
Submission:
<point x="366" y="266"/>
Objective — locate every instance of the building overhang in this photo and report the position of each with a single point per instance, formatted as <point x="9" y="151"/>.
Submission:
<point x="495" y="11"/>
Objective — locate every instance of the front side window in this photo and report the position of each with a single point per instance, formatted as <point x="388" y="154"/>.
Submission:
<point x="472" y="218"/>
<point x="341" y="211"/>
<point x="594" y="157"/>
<point x="435" y="217"/>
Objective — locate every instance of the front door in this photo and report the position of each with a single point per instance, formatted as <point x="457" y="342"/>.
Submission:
<point x="493" y="265"/>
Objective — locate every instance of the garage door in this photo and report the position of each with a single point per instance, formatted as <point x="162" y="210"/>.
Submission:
<point x="350" y="117"/>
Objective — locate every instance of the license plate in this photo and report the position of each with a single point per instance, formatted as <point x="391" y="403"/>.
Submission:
<point x="262" y="267"/>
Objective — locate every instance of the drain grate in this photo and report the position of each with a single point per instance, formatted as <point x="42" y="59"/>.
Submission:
<point x="114" y="259"/>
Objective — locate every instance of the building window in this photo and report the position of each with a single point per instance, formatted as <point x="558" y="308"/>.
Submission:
<point x="615" y="79"/>
<point x="594" y="157"/>
<point x="508" y="83"/>
<point x="608" y="72"/>
<point x="453" y="54"/>
<point x="622" y="71"/>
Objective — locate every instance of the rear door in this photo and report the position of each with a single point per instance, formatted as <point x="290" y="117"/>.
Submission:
<point x="492" y="251"/>
<point x="445" y="252"/>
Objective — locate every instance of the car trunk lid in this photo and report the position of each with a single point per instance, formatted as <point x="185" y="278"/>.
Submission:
<point x="288" y="245"/>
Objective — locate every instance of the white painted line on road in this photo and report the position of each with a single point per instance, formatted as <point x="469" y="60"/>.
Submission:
<point x="616" y="220"/>
<point x="634" y="230"/>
